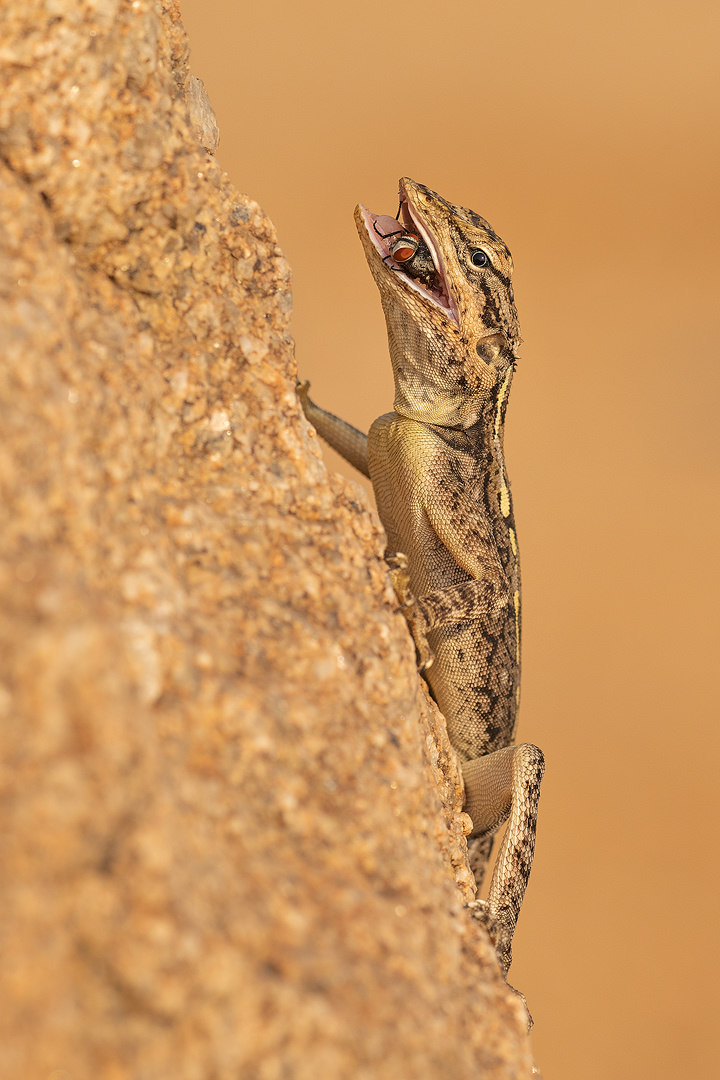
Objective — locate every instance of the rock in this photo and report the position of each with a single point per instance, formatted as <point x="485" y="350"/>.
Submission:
<point x="202" y="115"/>
<point x="232" y="843"/>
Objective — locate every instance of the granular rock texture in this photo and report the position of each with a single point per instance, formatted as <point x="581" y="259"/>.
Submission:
<point x="231" y="842"/>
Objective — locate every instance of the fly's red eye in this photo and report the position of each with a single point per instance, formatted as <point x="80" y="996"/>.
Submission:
<point x="404" y="248"/>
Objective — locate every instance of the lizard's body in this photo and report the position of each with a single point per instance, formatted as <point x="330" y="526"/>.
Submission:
<point x="437" y="469"/>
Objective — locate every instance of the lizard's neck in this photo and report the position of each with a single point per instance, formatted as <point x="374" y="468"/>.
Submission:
<point x="427" y="403"/>
<point x="446" y="386"/>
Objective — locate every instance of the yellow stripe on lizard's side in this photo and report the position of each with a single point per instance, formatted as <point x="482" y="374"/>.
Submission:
<point x="504" y="493"/>
<point x="513" y="542"/>
<point x="516" y="602"/>
<point x="501" y="398"/>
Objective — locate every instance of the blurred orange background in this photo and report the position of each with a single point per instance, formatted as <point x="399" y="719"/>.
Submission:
<point x="587" y="135"/>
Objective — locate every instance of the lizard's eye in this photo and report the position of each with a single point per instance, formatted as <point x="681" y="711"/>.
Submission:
<point x="479" y="258"/>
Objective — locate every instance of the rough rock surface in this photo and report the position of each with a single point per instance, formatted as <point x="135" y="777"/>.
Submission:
<point x="230" y="843"/>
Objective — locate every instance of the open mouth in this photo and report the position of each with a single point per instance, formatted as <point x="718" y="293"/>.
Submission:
<point x="408" y="249"/>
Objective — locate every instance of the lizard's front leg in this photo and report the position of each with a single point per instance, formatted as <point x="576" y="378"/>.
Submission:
<point x="415" y="618"/>
<point x="343" y="437"/>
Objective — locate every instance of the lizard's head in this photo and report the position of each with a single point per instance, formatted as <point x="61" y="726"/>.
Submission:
<point x="444" y="277"/>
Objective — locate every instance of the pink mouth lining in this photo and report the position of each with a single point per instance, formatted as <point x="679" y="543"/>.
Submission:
<point x="380" y="229"/>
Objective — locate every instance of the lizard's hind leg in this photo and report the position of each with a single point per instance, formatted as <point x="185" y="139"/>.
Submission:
<point x="498" y="786"/>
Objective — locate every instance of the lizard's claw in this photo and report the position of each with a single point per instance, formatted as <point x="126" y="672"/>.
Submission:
<point x="302" y="389"/>
<point x="398" y="566"/>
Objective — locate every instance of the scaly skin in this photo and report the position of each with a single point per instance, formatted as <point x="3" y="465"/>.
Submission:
<point x="438" y="471"/>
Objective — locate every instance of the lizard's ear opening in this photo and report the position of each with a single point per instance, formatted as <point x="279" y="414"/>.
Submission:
<point x="493" y="348"/>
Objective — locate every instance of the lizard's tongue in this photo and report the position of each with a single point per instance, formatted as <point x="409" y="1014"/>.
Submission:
<point x="386" y="225"/>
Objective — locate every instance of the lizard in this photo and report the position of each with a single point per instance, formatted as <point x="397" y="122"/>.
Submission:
<point x="437" y="468"/>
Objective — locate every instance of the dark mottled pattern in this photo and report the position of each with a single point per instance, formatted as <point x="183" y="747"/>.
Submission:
<point x="421" y="266"/>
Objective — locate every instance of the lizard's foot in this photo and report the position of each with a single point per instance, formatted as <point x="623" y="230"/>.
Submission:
<point x="398" y="564"/>
<point x="480" y="910"/>
<point x="496" y="928"/>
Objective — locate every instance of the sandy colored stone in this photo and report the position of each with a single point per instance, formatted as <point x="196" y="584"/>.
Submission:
<point x="231" y="837"/>
<point x="201" y="114"/>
